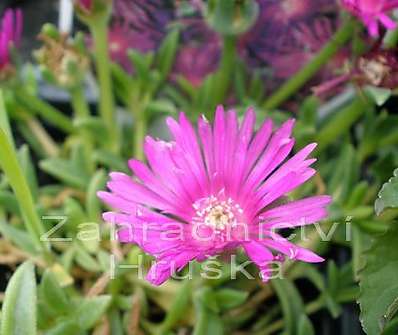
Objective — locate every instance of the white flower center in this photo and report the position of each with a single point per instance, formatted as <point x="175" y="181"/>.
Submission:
<point x="217" y="214"/>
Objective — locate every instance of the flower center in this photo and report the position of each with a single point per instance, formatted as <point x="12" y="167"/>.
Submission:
<point x="375" y="70"/>
<point x="217" y="214"/>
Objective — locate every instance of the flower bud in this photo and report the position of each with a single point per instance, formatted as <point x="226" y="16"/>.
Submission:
<point x="233" y="17"/>
<point x="89" y="10"/>
<point x="63" y="62"/>
<point x="378" y="68"/>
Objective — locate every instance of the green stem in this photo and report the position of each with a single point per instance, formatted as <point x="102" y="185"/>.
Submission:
<point x="49" y="146"/>
<point x="99" y="30"/>
<point x="12" y="169"/>
<point x="140" y="128"/>
<point x="45" y="110"/>
<point x="82" y="111"/>
<point x="223" y="77"/>
<point x="300" y="78"/>
<point x="4" y="121"/>
<point x="341" y="122"/>
<point x="227" y="63"/>
<point x="79" y="102"/>
<point x="139" y="125"/>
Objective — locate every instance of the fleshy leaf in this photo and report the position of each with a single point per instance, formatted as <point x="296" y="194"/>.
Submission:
<point x="19" y="308"/>
<point x="90" y="310"/>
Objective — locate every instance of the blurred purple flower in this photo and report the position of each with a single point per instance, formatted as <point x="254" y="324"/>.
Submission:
<point x="139" y="25"/>
<point x="372" y="12"/>
<point x="288" y="11"/>
<point x="199" y="51"/>
<point x="302" y="28"/>
<point x="195" y="62"/>
<point x="121" y="39"/>
<point x="10" y="35"/>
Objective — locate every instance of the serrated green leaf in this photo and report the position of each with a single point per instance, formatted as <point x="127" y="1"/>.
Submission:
<point x="391" y="328"/>
<point x="20" y="303"/>
<point x="379" y="282"/>
<point x="388" y="195"/>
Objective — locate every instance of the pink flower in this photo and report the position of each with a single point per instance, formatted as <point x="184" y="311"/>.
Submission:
<point x="371" y="12"/>
<point x="10" y="35"/>
<point x="201" y="195"/>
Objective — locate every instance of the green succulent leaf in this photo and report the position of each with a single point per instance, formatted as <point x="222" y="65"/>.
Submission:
<point x="19" y="308"/>
<point x="229" y="298"/>
<point x="90" y="310"/>
<point x="208" y="321"/>
<point x="67" y="327"/>
<point x="291" y="302"/>
<point x="53" y="294"/>
<point x="167" y="52"/>
<point x="305" y="326"/>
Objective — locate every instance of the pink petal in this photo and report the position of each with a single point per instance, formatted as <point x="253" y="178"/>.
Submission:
<point x="293" y="251"/>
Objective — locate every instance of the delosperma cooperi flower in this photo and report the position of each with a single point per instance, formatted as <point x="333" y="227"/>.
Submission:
<point x="195" y="62"/>
<point x="372" y="12"/>
<point x="221" y="189"/>
<point x="148" y="18"/>
<point x="199" y="53"/>
<point x="139" y="25"/>
<point x="302" y="30"/>
<point x="10" y="35"/>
